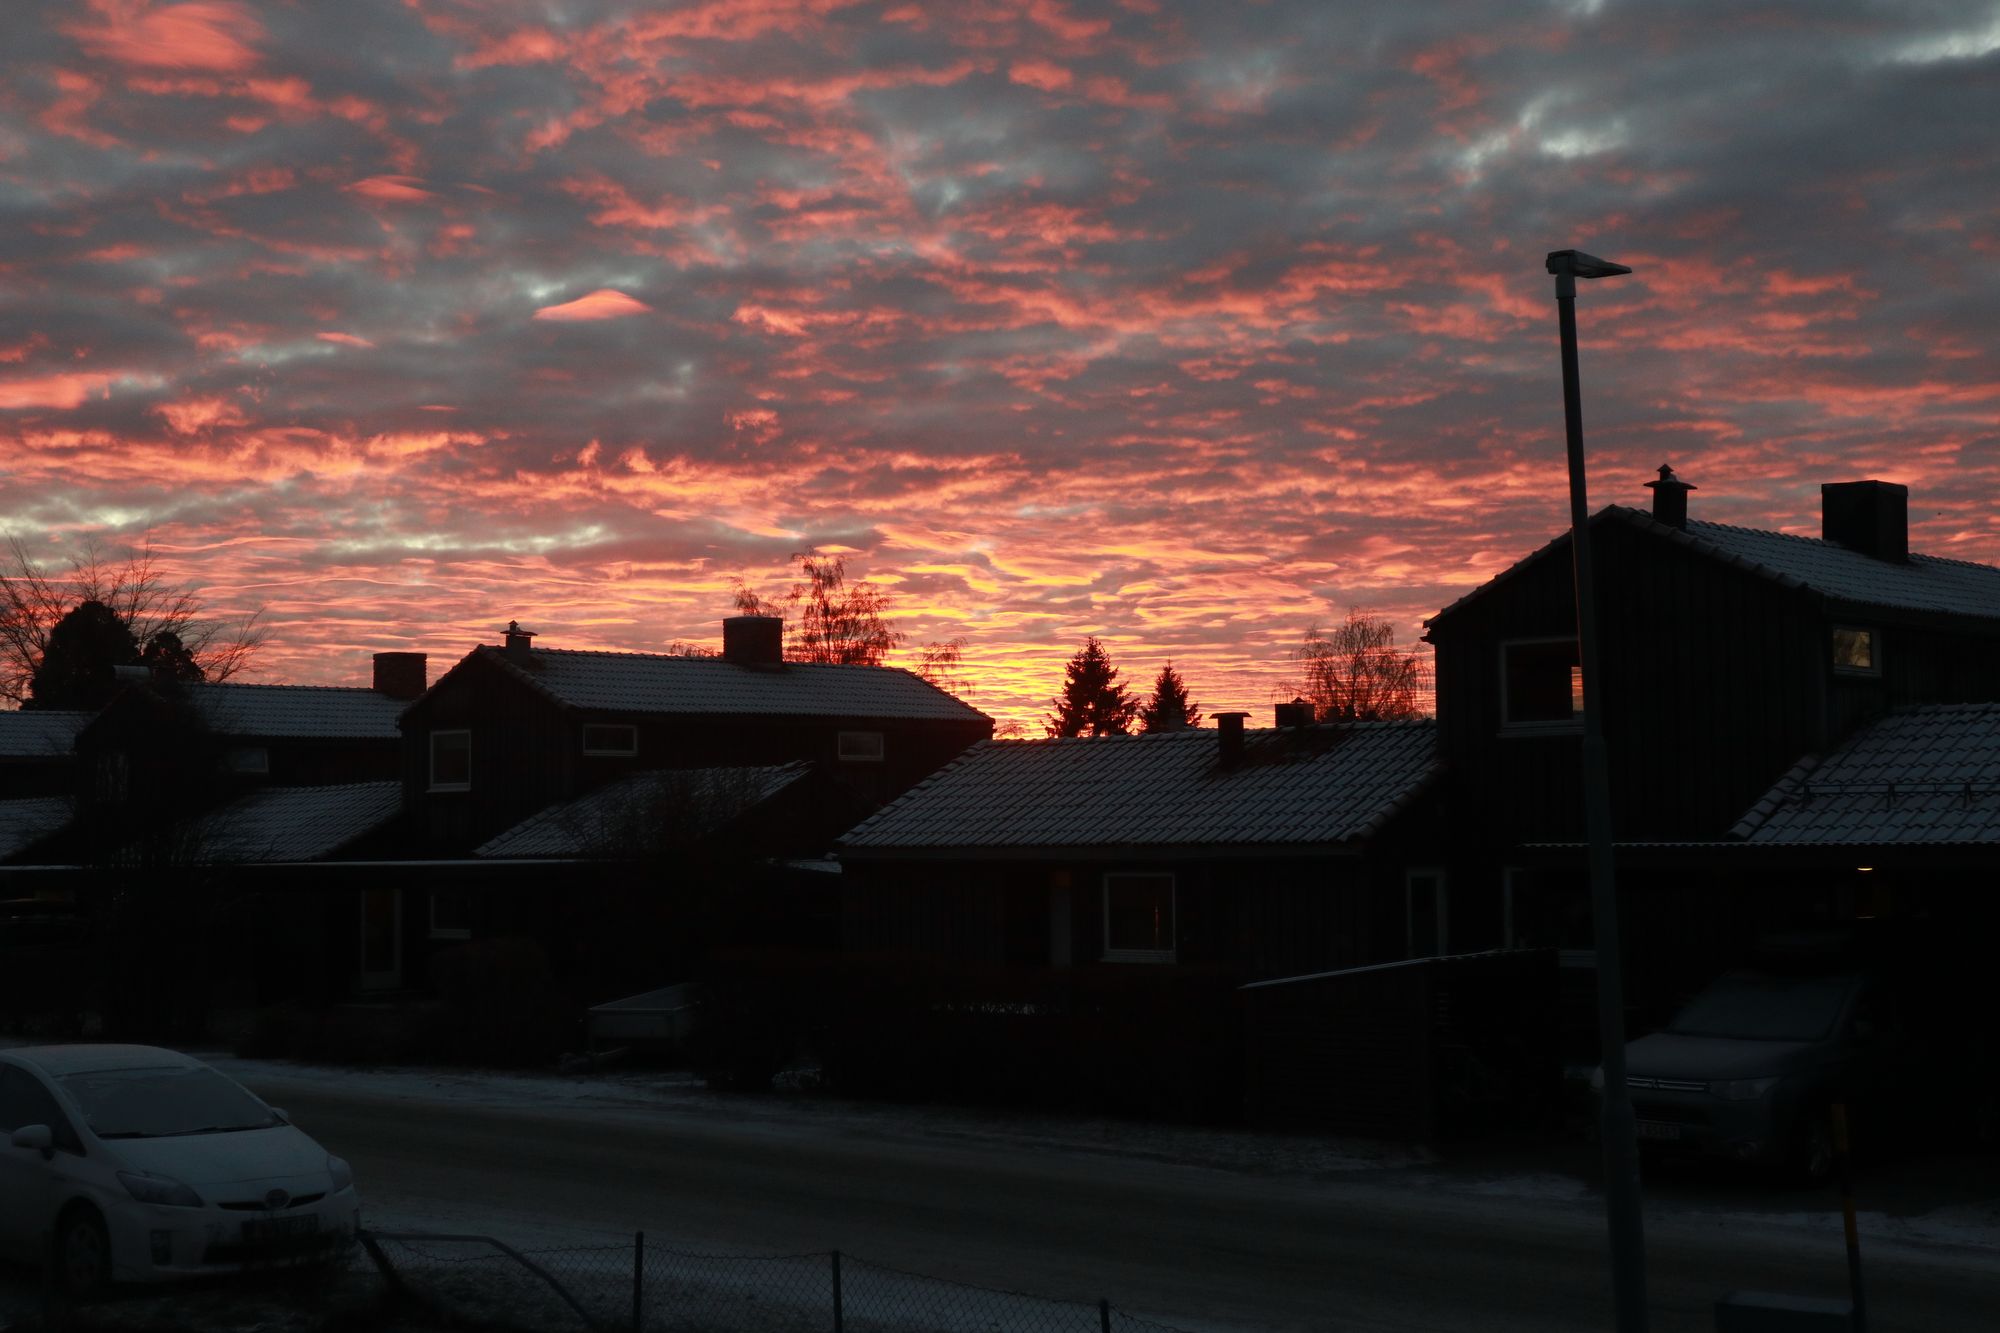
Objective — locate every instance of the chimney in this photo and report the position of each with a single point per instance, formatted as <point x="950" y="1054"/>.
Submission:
<point x="753" y="641"/>
<point x="1297" y="713"/>
<point x="1670" y="498"/>
<point x="520" y="650"/>
<point x="400" y="675"/>
<point x="1229" y="739"/>
<point x="1872" y="517"/>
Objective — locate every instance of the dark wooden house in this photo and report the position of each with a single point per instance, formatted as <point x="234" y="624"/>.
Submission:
<point x="513" y="730"/>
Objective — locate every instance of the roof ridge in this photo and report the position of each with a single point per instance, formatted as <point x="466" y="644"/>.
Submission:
<point x="1824" y="544"/>
<point x="275" y="685"/>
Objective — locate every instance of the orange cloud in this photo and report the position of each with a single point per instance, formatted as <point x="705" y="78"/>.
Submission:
<point x="346" y="339"/>
<point x="398" y="189"/>
<point x="57" y="391"/>
<point x="600" y="304"/>
<point x="213" y="35"/>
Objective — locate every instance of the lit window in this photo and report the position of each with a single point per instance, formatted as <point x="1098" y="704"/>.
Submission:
<point x="451" y="760"/>
<point x="861" y="747"/>
<point x="603" y="738"/>
<point x="1853" y="649"/>
<point x="1138" y="918"/>
<point x="1541" y="683"/>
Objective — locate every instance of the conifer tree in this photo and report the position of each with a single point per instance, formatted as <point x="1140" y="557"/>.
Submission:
<point x="1092" y="702"/>
<point x="1169" y="709"/>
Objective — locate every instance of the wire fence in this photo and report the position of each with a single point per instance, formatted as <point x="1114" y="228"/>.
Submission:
<point x="427" y="1281"/>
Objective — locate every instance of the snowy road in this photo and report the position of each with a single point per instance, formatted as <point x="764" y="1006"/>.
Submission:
<point x="1199" y="1230"/>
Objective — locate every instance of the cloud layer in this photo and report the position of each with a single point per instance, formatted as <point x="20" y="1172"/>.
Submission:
<point x="1180" y="324"/>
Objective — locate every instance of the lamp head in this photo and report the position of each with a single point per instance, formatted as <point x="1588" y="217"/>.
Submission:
<point x="1577" y="264"/>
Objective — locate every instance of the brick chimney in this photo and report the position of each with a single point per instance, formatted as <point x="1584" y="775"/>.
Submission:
<point x="519" y="645"/>
<point x="753" y="641"/>
<point x="1297" y="713"/>
<point x="1872" y="517"/>
<point x="400" y="675"/>
<point x="1670" y="498"/>
<point x="1229" y="739"/>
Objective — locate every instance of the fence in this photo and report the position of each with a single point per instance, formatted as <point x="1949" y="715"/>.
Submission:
<point x="424" y="1281"/>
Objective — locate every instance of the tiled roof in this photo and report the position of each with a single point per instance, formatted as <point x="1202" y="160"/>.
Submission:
<point x="1295" y="787"/>
<point x="712" y="687"/>
<point x="296" y="712"/>
<point x="1925" y="583"/>
<point x="1920" y="775"/>
<point x="26" y="822"/>
<point x="298" y="823"/>
<point x="609" y="818"/>
<point x="32" y="733"/>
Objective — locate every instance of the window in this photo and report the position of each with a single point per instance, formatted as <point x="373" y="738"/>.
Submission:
<point x="861" y="747"/>
<point x="1541" y="684"/>
<point x="451" y="914"/>
<point x="24" y="1101"/>
<point x="604" y="738"/>
<point x="1138" y="918"/>
<point x="247" y="759"/>
<point x="451" y="760"/>
<point x="1854" y="651"/>
<point x="1426" y="913"/>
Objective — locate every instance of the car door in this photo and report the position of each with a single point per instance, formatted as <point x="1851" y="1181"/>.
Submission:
<point x="27" y="1180"/>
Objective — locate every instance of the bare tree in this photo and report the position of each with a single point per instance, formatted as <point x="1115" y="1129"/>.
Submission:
<point x="1355" y="672"/>
<point x="164" y="618"/>
<point x="943" y="665"/>
<point x="839" y="623"/>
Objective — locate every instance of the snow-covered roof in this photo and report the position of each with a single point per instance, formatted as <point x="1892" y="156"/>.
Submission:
<point x="298" y="823"/>
<point x="601" y="822"/>
<point x="34" y="733"/>
<point x="1925" y="583"/>
<point x="713" y="687"/>
<point x="1297" y="787"/>
<point x="1921" y="775"/>
<point x="24" y="823"/>
<point x="295" y="712"/>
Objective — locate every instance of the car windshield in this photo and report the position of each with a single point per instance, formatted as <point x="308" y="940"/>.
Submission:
<point x="159" y="1103"/>
<point x="1764" y="1009"/>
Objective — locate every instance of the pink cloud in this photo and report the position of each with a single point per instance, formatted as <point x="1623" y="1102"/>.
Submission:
<point x="345" y="339"/>
<point x="600" y="304"/>
<point x="396" y="189"/>
<point x="1043" y="74"/>
<point x="57" y="391"/>
<point x="214" y="35"/>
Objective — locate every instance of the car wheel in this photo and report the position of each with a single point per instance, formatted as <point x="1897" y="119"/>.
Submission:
<point x="83" y="1253"/>
<point x="1812" y="1149"/>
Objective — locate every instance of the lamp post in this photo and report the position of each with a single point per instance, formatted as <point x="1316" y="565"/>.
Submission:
<point x="1617" y="1132"/>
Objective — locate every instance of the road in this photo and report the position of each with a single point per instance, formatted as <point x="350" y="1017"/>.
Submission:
<point x="1193" y="1246"/>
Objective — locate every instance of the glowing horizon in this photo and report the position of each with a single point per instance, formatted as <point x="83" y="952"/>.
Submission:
<point x="405" y="318"/>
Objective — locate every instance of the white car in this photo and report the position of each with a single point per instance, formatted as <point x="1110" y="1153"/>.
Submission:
<point x="132" y="1163"/>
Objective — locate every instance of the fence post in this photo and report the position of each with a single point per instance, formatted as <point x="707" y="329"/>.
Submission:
<point x="638" y="1282"/>
<point x="1104" y="1314"/>
<point x="838" y="1316"/>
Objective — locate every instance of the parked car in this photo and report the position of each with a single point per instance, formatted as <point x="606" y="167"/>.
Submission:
<point x="132" y="1163"/>
<point x="1750" y="1069"/>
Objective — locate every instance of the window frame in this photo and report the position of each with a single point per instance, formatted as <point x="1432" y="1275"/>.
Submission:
<point x="1170" y="954"/>
<point x="438" y="932"/>
<point x="841" y="752"/>
<point x="626" y="751"/>
<point x="1571" y="725"/>
<point x="1874" y="667"/>
<point x="432" y="749"/>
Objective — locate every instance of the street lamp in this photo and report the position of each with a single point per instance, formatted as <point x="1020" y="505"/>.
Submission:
<point x="1621" y="1149"/>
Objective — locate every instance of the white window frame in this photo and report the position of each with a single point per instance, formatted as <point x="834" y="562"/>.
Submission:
<point x="630" y="747"/>
<point x="1536" y="727"/>
<point x="451" y="786"/>
<point x="1167" y="955"/>
<point x="1440" y="909"/>
<point x="1874" y="667"/>
<point x="447" y="932"/>
<point x="846" y="756"/>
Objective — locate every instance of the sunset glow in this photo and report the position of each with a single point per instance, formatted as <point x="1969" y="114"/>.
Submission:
<point x="1178" y="324"/>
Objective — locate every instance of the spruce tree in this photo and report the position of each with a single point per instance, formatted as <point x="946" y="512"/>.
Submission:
<point x="1169" y="709"/>
<point x="1092" y="702"/>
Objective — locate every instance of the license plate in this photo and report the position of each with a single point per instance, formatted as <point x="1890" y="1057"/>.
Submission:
<point x="280" y="1228"/>
<point x="1653" y="1129"/>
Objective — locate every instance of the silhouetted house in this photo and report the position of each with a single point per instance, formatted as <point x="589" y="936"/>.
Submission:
<point x="26" y="822"/>
<point x="1257" y="854"/>
<point x="1731" y="657"/>
<point x="513" y="730"/>
<point x="37" y="752"/>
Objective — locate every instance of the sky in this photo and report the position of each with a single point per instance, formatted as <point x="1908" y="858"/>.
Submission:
<point x="1181" y="324"/>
